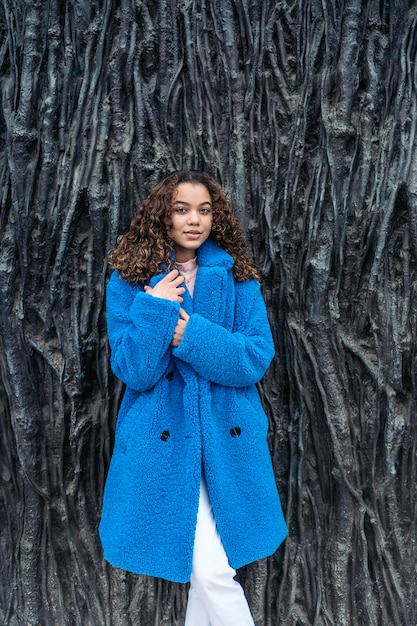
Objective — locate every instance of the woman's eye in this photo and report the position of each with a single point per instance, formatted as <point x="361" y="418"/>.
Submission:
<point x="205" y="210"/>
<point x="180" y="209"/>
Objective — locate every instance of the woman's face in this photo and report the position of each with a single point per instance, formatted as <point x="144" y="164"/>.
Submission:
<point x="191" y="219"/>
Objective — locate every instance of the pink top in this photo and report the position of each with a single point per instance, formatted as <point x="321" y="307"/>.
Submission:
<point x="188" y="271"/>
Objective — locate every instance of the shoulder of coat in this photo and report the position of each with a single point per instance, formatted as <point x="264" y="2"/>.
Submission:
<point x="247" y="287"/>
<point x="118" y="280"/>
<point x="119" y="285"/>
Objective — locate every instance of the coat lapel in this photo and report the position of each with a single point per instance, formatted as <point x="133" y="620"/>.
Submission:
<point x="213" y="291"/>
<point x="209" y="293"/>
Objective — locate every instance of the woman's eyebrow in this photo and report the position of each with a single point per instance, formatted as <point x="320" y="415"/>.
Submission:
<point x="188" y="204"/>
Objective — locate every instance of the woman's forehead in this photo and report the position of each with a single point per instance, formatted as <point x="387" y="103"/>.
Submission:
<point x="191" y="193"/>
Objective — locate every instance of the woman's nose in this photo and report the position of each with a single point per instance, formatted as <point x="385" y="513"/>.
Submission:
<point x="193" y="217"/>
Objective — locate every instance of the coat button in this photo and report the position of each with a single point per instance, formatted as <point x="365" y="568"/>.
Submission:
<point x="170" y="376"/>
<point x="235" y="431"/>
<point x="165" y="435"/>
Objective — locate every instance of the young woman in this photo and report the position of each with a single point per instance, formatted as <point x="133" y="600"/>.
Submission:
<point x="190" y="493"/>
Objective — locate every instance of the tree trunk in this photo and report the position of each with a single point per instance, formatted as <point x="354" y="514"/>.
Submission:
<point x="306" y="113"/>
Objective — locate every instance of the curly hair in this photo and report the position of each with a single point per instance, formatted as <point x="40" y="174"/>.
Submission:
<point x="146" y="248"/>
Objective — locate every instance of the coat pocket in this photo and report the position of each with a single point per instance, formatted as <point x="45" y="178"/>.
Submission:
<point x="252" y="411"/>
<point x="133" y="419"/>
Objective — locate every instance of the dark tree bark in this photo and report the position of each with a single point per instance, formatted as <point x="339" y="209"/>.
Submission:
<point x="306" y="113"/>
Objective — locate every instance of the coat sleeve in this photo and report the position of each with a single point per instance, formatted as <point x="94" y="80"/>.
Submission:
<point x="238" y="358"/>
<point x="140" y="331"/>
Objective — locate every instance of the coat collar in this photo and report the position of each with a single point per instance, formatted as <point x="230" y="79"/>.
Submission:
<point x="211" y="255"/>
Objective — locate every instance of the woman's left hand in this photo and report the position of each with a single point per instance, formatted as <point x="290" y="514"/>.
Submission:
<point x="180" y="328"/>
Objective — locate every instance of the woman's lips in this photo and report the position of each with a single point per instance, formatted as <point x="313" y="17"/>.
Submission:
<point x="192" y="234"/>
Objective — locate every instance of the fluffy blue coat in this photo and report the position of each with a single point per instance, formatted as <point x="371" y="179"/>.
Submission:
<point x="186" y="408"/>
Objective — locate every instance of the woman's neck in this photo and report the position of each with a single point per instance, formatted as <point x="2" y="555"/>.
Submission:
<point x="184" y="255"/>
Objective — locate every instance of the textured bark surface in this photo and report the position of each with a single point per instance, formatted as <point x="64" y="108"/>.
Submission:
<point x="306" y="112"/>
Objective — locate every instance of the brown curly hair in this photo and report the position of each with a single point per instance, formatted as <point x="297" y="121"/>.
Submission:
<point x="146" y="247"/>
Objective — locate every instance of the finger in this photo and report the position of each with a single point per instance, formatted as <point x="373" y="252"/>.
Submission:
<point x="174" y="282"/>
<point x="184" y="314"/>
<point x="168" y="278"/>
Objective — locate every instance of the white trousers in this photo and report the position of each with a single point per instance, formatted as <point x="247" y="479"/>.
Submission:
<point x="214" y="598"/>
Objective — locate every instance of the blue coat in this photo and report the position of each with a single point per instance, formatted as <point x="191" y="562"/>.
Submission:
<point x="186" y="408"/>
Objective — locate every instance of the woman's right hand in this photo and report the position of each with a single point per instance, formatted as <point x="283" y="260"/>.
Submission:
<point x="168" y="288"/>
